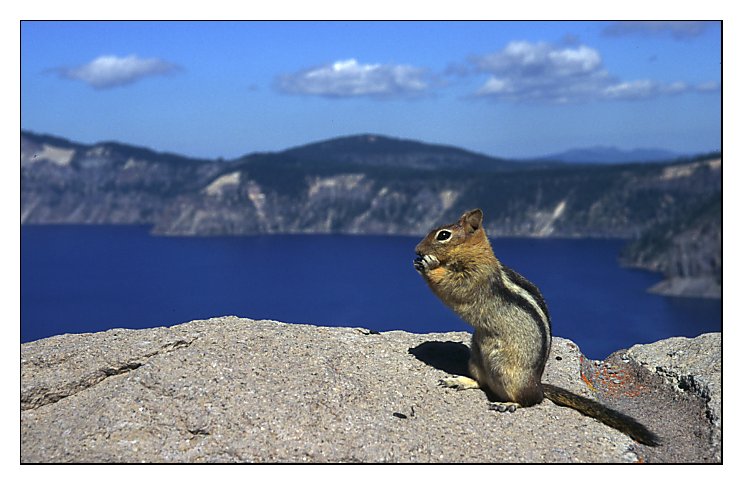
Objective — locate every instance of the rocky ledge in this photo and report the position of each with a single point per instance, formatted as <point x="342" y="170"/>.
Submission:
<point x="236" y="390"/>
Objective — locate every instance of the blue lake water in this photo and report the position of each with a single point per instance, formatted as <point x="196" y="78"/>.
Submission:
<point x="90" y="278"/>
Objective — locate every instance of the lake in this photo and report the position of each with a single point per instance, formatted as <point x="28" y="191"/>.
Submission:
<point x="91" y="278"/>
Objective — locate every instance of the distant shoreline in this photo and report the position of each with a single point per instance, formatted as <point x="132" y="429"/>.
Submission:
<point x="694" y="287"/>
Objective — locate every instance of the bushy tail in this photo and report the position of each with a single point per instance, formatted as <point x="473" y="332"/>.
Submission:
<point x="609" y="417"/>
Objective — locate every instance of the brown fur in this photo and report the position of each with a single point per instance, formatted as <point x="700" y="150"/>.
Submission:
<point x="512" y="331"/>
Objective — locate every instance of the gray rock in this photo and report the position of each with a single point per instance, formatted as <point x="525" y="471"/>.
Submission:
<point x="690" y="366"/>
<point x="238" y="390"/>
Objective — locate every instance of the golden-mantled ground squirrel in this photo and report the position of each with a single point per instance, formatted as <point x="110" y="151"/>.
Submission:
<point x="512" y="331"/>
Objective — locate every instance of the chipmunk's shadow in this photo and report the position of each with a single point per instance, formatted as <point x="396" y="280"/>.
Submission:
<point x="450" y="357"/>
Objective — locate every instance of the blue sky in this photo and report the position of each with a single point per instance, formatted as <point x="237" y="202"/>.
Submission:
<point x="512" y="89"/>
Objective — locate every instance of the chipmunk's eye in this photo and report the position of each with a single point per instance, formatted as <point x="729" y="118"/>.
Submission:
<point x="443" y="235"/>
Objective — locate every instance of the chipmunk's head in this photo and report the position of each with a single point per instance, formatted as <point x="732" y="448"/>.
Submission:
<point x="462" y="242"/>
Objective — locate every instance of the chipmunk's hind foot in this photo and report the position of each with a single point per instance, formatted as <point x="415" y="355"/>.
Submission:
<point x="459" y="383"/>
<point x="504" y="407"/>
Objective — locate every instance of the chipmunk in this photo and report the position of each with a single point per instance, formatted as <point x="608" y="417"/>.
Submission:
<point x="512" y="329"/>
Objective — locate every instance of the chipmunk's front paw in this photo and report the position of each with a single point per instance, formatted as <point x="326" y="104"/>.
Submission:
<point x="425" y="262"/>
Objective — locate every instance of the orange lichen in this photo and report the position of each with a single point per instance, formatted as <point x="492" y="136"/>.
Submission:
<point x="584" y="377"/>
<point x="612" y="380"/>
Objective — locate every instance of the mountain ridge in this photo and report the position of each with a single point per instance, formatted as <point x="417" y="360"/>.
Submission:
<point x="611" y="154"/>
<point x="599" y="154"/>
<point x="126" y="147"/>
<point x="406" y="190"/>
<point x="373" y="149"/>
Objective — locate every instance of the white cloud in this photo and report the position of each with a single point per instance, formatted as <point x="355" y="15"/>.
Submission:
<point x="496" y="86"/>
<point x="541" y="72"/>
<point x="631" y="90"/>
<point x="645" y="89"/>
<point x="348" y="78"/>
<point x="541" y="58"/>
<point x="110" y="71"/>
<point x="708" y="86"/>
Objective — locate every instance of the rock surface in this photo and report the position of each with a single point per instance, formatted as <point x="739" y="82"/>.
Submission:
<point x="237" y="390"/>
<point x="692" y="366"/>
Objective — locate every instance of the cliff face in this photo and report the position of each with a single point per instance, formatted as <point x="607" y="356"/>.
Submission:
<point x="368" y="185"/>
<point x="688" y="251"/>
<point x="106" y="183"/>
<point x="237" y="390"/>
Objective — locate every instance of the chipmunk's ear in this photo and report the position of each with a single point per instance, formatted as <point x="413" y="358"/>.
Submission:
<point x="471" y="220"/>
